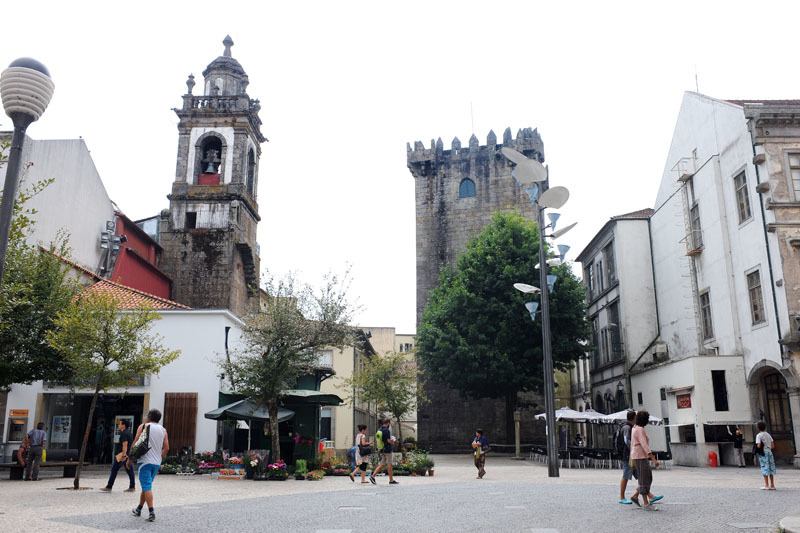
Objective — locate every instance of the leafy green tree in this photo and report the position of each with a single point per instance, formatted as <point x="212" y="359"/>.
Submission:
<point x="392" y="382"/>
<point x="107" y="348"/>
<point x="476" y="335"/>
<point x="36" y="286"/>
<point x="283" y="341"/>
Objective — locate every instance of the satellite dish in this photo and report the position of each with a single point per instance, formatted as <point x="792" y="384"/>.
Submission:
<point x="562" y="231"/>
<point x="513" y="155"/>
<point x="554" y="198"/>
<point x="525" y="288"/>
<point x="527" y="170"/>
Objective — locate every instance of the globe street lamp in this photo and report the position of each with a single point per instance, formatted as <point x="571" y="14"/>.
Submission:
<point x="529" y="173"/>
<point x="26" y="89"/>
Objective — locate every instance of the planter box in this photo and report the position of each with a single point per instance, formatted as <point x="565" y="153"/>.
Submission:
<point x="236" y="476"/>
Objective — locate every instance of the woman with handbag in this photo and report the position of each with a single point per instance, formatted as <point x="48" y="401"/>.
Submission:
<point x="363" y="451"/>
<point x="641" y="456"/>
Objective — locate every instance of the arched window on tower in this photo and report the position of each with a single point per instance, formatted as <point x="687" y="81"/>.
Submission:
<point x="210" y="161"/>
<point x="466" y="189"/>
<point x="251" y="172"/>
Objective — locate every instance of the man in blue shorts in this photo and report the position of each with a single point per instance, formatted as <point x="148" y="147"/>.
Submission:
<point x="150" y="463"/>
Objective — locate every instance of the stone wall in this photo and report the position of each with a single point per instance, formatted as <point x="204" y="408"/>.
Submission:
<point x="445" y="223"/>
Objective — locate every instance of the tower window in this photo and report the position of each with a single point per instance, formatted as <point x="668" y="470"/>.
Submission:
<point x="191" y="220"/>
<point x="251" y="171"/>
<point x="466" y="189"/>
<point x="210" y="153"/>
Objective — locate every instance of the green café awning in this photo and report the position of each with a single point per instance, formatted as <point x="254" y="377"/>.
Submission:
<point x="246" y="410"/>
<point x="310" y="397"/>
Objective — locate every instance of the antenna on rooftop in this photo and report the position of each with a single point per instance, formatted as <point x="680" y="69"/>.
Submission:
<point x="472" y="117"/>
<point x="696" y="84"/>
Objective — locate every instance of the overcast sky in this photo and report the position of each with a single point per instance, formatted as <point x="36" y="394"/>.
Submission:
<point x="345" y="85"/>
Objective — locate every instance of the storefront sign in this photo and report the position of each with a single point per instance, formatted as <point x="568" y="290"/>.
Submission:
<point x="59" y="431"/>
<point x="684" y="401"/>
<point x="18" y="412"/>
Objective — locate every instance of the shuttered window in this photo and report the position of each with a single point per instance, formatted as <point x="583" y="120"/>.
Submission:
<point x="180" y="419"/>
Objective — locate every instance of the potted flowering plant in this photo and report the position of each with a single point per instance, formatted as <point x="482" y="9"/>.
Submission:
<point x="300" y="469"/>
<point x="251" y="463"/>
<point x="277" y="471"/>
<point x="315" y="475"/>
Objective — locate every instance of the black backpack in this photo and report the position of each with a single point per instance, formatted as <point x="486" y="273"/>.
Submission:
<point x="619" y="442"/>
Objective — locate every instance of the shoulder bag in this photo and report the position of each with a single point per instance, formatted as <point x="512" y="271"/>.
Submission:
<point x="141" y="446"/>
<point x="364" y="450"/>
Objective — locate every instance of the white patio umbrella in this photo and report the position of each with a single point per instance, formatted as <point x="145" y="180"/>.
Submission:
<point x="621" y="416"/>
<point x="565" y="414"/>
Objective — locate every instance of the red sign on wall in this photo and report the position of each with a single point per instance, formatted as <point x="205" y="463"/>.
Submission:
<point x="684" y="401"/>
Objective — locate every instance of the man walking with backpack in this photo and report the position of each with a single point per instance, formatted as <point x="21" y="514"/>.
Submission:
<point x="150" y="462"/>
<point x="384" y="442"/>
<point x="622" y="445"/>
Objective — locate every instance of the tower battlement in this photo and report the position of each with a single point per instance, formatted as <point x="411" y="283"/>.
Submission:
<point x="527" y="141"/>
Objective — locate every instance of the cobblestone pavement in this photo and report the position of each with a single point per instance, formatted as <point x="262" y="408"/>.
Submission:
<point x="514" y="496"/>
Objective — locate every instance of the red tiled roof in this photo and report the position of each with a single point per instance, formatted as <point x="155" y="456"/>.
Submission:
<point x="131" y="298"/>
<point x="71" y="263"/>
<point x="641" y="213"/>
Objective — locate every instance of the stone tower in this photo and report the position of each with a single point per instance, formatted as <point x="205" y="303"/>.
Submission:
<point x="209" y="231"/>
<point x="457" y="191"/>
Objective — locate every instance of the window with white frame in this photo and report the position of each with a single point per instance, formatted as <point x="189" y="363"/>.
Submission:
<point x="756" y="297"/>
<point x="794" y="174"/>
<point x="742" y="196"/>
<point x="598" y="272"/>
<point x="588" y="275"/>
<point x="611" y="266"/>
<point x="705" y="315"/>
<point x="697" y="230"/>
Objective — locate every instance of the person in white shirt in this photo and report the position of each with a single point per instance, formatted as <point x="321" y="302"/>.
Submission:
<point x="764" y="443"/>
<point x="150" y="462"/>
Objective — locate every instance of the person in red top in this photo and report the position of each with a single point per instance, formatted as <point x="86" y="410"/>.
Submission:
<point x="640" y="455"/>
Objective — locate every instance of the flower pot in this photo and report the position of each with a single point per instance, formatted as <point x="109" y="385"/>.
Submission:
<point x="430" y="472"/>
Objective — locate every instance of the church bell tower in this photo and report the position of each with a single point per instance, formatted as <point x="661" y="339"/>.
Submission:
<point x="209" y="231"/>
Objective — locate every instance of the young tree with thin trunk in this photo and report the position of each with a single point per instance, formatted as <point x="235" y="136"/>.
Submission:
<point x="107" y="348"/>
<point x="283" y="341"/>
<point x="393" y="382"/>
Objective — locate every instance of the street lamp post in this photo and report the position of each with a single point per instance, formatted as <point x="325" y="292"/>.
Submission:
<point x="26" y="89"/>
<point x="529" y="173"/>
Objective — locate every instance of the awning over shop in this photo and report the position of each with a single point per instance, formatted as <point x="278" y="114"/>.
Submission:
<point x="311" y="397"/>
<point x="246" y="410"/>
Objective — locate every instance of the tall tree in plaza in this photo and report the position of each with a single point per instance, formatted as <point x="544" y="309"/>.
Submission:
<point x="36" y="286"/>
<point x="476" y="335"/>
<point x="283" y="341"/>
<point x="393" y="382"/>
<point x="107" y="348"/>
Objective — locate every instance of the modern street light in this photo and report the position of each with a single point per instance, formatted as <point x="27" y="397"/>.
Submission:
<point x="26" y="89"/>
<point x="528" y="174"/>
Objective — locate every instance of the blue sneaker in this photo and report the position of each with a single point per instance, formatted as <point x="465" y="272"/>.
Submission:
<point x="626" y="501"/>
<point x="654" y="499"/>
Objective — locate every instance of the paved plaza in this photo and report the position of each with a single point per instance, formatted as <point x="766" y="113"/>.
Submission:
<point x="514" y="496"/>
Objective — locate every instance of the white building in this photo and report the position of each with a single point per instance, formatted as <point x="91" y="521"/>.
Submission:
<point x="184" y="390"/>
<point x="619" y="287"/>
<point x="720" y="355"/>
<point x="76" y="201"/>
